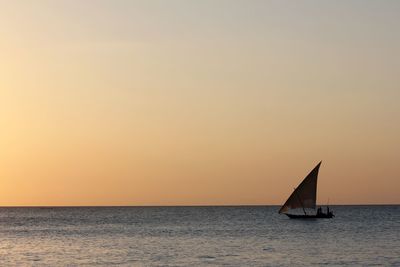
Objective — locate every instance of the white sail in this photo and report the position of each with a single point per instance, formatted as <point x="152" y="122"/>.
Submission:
<point x="305" y="195"/>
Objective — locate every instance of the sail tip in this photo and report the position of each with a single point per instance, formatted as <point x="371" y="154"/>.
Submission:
<point x="319" y="164"/>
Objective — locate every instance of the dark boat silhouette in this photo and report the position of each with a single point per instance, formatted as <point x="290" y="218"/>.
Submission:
<point x="305" y="197"/>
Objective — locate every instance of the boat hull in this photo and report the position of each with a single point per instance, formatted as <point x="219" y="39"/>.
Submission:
<point x="316" y="216"/>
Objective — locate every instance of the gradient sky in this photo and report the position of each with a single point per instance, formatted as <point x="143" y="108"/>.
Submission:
<point x="198" y="102"/>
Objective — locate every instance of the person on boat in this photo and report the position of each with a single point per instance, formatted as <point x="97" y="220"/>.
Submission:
<point x="319" y="211"/>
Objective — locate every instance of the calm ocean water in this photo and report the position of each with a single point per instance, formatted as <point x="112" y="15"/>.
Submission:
<point x="197" y="236"/>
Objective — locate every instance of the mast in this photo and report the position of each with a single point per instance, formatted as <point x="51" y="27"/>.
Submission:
<point x="304" y="210"/>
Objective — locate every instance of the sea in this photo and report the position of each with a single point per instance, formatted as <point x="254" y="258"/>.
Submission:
<point x="197" y="236"/>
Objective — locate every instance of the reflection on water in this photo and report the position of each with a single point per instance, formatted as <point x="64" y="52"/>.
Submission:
<point x="210" y="236"/>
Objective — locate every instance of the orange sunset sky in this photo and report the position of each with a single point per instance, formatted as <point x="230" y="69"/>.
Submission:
<point x="198" y="102"/>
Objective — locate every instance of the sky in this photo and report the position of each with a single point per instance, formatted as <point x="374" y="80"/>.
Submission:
<point x="198" y="102"/>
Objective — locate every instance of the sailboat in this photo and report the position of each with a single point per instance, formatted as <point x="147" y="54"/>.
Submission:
<point x="305" y="197"/>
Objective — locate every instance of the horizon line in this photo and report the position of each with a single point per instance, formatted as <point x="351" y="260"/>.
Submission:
<point x="172" y="206"/>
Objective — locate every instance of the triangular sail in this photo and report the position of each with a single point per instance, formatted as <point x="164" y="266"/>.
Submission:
<point x="305" y="195"/>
